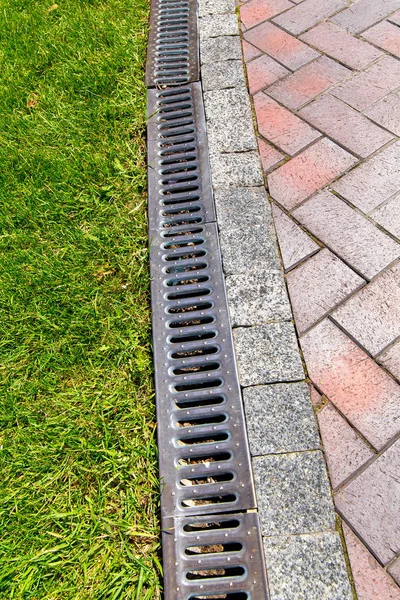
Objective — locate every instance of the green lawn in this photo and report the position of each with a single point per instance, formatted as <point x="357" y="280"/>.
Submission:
<point x="78" y="470"/>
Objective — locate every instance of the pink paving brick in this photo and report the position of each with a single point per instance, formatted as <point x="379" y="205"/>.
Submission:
<point x="373" y="182"/>
<point x="350" y="235"/>
<point x="388" y="215"/>
<point x="294" y="243"/>
<point x="386" y="112"/>
<point x="345" y="125"/>
<point x="341" y="45"/>
<point x="395" y="18"/>
<point x="318" y="285"/>
<point x="263" y="71"/>
<point x="316" y="397"/>
<point x="308" y="82"/>
<point x="370" y="85"/>
<point x="256" y="11"/>
<point x="367" y="396"/>
<point x="249" y="51"/>
<point x="269" y="155"/>
<point x="280" y="126"/>
<point x="345" y="450"/>
<point x="376" y="491"/>
<point x="372" y="315"/>
<point x="386" y="36"/>
<point x="308" y="14"/>
<point x="394" y="570"/>
<point x="285" y="48"/>
<point x="371" y="580"/>
<point x="365" y="13"/>
<point x="305" y="174"/>
<point x="390" y="359"/>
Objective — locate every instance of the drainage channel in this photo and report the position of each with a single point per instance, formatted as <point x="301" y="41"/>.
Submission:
<point x="211" y="535"/>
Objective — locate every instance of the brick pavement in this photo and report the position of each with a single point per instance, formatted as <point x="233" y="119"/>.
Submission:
<point x="324" y="76"/>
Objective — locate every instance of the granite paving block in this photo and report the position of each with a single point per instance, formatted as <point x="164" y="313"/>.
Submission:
<point x="218" y="25"/>
<point x="306" y="173"/>
<point x="281" y="127"/>
<point x="376" y="180"/>
<point x="308" y="13"/>
<point x="385" y="35"/>
<point x="375" y="491"/>
<point x="345" y="125"/>
<point x="361" y="15"/>
<point x="386" y="112"/>
<point x="350" y="235"/>
<point x="388" y="215"/>
<point x="280" y="418"/>
<point x="371" y="580"/>
<point x="257" y="11"/>
<point x="293" y="493"/>
<point x="370" y="85"/>
<point x="249" y="249"/>
<point x="243" y="208"/>
<point x="240" y="169"/>
<point x="367" y="396"/>
<point x="229" y="122"/>
<point x="219" y="49"/>
<point x="214" y="7"/>
<point x="394" y="570"/>
<point x="390" y="359"/>
<point x="345" y="451"/>
<point x="308" y="82"/>
<point x="318" y="285"/>
<point x="256" y="298"/>
<point x="294" y="243"/>
<point x="282" y="46"/>
<point x="307" y="567"/>
<point x="341" y="45"/>
<point x="263" y="71"/>
<point x="267" y="354"/>
<point x="372" y="315"/>
<point x="223" y="74"/>
<point x="270" y="156"/>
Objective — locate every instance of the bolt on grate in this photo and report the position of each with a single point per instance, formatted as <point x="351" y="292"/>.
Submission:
<point x="173" y="49"/>
<point x="214" y="557"/>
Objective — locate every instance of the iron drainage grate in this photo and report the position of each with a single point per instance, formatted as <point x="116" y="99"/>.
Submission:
<point x="214" y="558"/>
<point x="173" y="49"/>
<point x="204" y="458"/>
<point x="178" y="171"/>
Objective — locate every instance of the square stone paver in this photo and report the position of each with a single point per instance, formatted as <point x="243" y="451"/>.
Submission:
<point x="318" y="285"/>
<point x="223" y="74"/>
<point x="238" y="169"/>
<point x="267" y="354"/>
<point x="280" y="418"/>
<point x="293" y="493"/>
<point x="257" y="297"/>
<point x="372" y="315"/>
<point x="307" y="567"/>
<point x="245" y="250"/>
<point x="242" y="208"/>
<point x="376" y="491"/>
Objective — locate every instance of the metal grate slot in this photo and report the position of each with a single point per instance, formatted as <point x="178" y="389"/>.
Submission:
<point x="204" y="457"/>
<point x="215" y="558"/>
<point x="173" y="49"/>
<point x="179" y="176"/>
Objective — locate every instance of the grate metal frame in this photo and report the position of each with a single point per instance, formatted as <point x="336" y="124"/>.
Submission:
<point x="173" y="48"/>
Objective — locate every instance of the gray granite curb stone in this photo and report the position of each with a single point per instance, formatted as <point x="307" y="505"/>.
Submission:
<point x="280" y="419"/>
<point x="304" y="556"/>
<point x="307" y="567"/>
